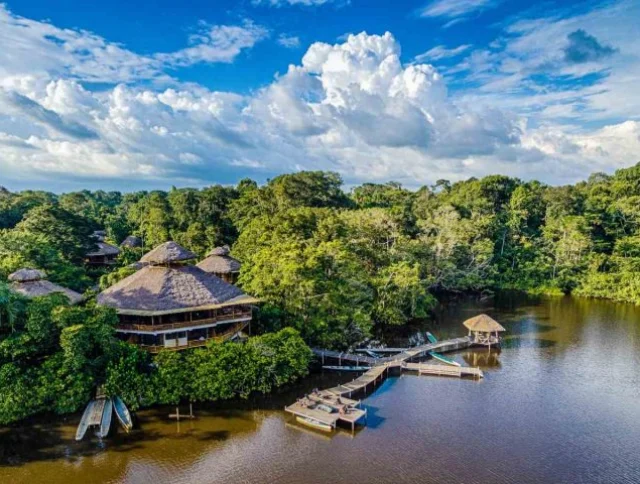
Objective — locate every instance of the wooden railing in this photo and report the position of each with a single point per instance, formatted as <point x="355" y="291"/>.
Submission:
<point x="186" y="324"/>
<point x="199" y="343"/>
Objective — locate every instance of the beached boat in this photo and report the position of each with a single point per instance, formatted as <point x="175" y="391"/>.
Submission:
<point x="85" y="421"/>
<point x="122" y="412"/>
<point x="313" y="423"/>
<point x="432" y="339"/>
<point x="105" y="421"/>
<point x="346" y="368"/>
<point x="443" y="359"/>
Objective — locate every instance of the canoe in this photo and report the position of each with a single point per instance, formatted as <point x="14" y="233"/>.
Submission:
<point x="443" y="359"/>
<point x="122" y="412"/>
<point x="316" y="424"/>
<point x="105" y="423"/>
<point x="84" y="421"/>
<point x="346" y="368"/>
<point x="432" y="339"/>
<point x="324" y="408"/>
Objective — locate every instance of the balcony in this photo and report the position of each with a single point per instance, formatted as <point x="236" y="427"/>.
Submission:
<point x="222" y="318"/>
<point x="200" y="342"/>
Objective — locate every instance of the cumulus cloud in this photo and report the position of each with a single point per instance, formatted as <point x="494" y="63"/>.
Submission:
<point x="353" y="107"/>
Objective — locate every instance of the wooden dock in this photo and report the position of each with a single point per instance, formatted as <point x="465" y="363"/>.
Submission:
<point x="339" y="397"/>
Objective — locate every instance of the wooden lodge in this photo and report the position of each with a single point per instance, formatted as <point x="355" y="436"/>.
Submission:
<point x="219" y="263"/>
<point x="171" y="304"/>
<point x="484" y="330"/>
<point x="104" y="254"/>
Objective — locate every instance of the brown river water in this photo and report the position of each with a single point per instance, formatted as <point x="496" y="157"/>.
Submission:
<point x="560" y="403"/>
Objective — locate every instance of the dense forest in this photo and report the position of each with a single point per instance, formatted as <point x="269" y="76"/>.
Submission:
<point x="335" y="265"/>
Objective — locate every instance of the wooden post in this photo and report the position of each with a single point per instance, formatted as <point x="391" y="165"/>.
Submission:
<point x="190" y="410"/>
<point x="178" y="413"/>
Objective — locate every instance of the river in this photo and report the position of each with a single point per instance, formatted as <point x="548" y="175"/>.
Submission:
<point x="560" y="403"/>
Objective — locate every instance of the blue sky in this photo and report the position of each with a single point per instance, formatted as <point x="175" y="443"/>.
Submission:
<point x="128" y="95"/>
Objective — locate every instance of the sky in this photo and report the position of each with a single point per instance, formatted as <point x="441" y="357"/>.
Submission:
<point x="130" y="95"/>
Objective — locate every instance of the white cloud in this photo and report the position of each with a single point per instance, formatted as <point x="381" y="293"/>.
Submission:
<point x="351" y="107"/>
<point x="441" y="52"/>
<point x="216" y="43"/>
<point x="289" y="41"/>
<point x="33" y="52"/>
<point x="306" y="3"/>
<point x="454" y="8"/>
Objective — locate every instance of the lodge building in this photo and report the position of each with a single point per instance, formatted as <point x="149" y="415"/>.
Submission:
<point x="171" y="304"/>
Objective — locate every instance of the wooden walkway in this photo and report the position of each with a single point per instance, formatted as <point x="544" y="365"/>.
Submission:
<point x="379" y="370"/>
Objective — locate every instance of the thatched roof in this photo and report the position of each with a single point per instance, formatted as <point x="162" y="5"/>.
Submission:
<point x="132" y="241"/>
<point x="167" y="253"/>
<point x="27" y="275"/>
<point x="99" y="235"/>
<point x="483" y="323"/>
<point x="158" y="289"/>
<point x="30" y="283"/>
<point x="104" y="249"/>
<point x="219" y="262"/>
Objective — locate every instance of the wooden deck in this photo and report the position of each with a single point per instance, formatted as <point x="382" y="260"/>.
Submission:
<point x="369" y="380"/>
<point x="444" y="370"/>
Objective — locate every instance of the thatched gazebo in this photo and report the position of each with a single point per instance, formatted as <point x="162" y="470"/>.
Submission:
<point x="32" y="283"/>
<point x="221" y="264"/>
<point x="171" y="304"/>
<point x="484" y="330"/>
<point x="132" y="242"/>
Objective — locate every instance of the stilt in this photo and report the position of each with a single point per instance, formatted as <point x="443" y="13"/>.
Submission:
<point x="190" y="410"/>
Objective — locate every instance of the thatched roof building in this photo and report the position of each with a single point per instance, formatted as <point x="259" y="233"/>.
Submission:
<point x="32" y="283"/>
<point x="168" y="253"/>
<point x="483" y="323"/>
<point x="166" y="289"/>
<point x="484" y="330"/>
<point x="171" y="304"/>
<point x="220" y="263"/>
<point x="131" y="242"/>
<point x="104" y="250"/>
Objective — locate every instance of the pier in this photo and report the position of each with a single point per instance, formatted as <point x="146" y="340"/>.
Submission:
<point x="338" y="398"/>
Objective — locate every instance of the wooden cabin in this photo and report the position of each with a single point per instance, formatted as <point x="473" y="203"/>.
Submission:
<point x="219" y="263"/>
<point x="171" y="304"/>
<point x="484" y="330"/>
<point x="32" y="283"/>
<point x="105" y="254"/>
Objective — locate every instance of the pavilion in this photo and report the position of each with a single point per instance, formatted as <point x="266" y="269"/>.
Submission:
<point x="105" y="255"/>
<point x="221" y="264"/>
<point x="171" y="304"/>
<point x="484" y="330"/>
<point x="32" y="283"/>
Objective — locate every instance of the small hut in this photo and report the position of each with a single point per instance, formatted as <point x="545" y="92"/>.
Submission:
<point x="171" y="304"/>
<point x="484" y="330"/>
<point x="105" y="255"/>
<point x="132" y="242"/>
<point x="32" y="283"/>
<point x="219" y="263"/>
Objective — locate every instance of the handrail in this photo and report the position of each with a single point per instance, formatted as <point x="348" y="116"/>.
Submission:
<point x="197" y="343"/>
<point x="185" y="324"/>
